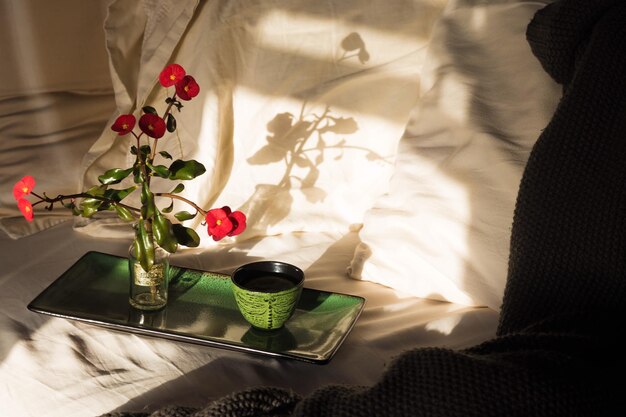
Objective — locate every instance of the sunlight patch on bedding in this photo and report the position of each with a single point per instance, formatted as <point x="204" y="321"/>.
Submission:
<point x="478" y="18"/>
<point x="444" y="325"/>
<point x="99" y="358"/>
<point x="438" y="213"/>
<point x="290" y="161"/>
<point x="454" y="98"/>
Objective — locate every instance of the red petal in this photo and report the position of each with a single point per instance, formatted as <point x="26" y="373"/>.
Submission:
<point x="187" y="88"/>
<point x="23" y="187"/>
<point x="152" y="125"/>
<point x="26" y="208"/>
<point x="18" y="190"/>
<point x="124" y="124"/>
<point x="213" y="215"/>
<point x="29" y="181"/>
<point x="171" y="75"/>
<point x="239" y="222"/>
<point x="219" y="231"/>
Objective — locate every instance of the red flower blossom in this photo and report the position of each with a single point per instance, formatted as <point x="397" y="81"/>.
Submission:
<point x="26" y="208"/>
<point x="221" y="222"/>
<point x="23" y="187"/>
<point x="124" y="124"/>
<point x="172" y="74"/>
<point x="238" y="219"/>
<point x="152" y="125"/>
<point x="187" y="88"/>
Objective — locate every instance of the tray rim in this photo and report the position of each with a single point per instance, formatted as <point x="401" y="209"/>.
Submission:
<point x="182" y="337"/>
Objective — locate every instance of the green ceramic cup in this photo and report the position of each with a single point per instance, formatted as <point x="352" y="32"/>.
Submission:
<point x="267" y="292"/>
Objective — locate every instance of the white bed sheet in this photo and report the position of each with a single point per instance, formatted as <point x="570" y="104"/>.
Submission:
<point x="58" y="367"/>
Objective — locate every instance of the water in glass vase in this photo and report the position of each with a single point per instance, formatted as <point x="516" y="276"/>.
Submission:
<point x="148" y="289"/>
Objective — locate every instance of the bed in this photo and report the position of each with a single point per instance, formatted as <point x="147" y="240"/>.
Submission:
<point x="415" y="137"/>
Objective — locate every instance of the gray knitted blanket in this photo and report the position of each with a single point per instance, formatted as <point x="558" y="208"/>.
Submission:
<point x="556" y="350"/>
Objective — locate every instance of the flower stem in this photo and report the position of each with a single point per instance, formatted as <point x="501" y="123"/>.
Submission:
<point x="167" y="111"/>
<point x="177" y="197"/>
<point x="62" y="197"/>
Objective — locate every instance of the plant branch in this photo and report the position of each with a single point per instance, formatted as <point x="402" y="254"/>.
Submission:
<point x="61" y="197"/>
<point x="177" y="197"/>
<point x="167" y="110"/>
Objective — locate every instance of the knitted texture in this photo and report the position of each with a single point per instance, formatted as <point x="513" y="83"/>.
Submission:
<point x="258" y="402"/>
<point x="565" y="301"/>
<point x="568" y="242"/>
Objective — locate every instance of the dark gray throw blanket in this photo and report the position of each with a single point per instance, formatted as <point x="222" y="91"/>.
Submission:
<point x="564" y="309"/>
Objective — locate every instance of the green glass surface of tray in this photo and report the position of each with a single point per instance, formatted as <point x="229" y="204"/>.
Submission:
<point x="201" y="309"/>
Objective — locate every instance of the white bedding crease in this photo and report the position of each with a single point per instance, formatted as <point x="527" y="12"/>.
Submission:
<point x="405" y="117"/>
<point x="442" y="230"/>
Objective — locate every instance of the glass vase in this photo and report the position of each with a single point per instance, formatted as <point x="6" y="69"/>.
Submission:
<point x="148" y="289"/>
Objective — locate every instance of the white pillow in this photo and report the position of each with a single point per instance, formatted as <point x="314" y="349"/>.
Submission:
<point x="443" y="229"/>
<point x="334" y="84"/>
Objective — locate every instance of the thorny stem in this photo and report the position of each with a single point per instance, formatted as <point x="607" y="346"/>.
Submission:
<point x="167" y="111"/>
<point x="61" y="198"/>
<point x="177" y="197"/>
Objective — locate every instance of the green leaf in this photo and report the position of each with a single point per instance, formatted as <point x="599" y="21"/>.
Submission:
<point x="96" y="190"/>
<point x="159" y="170"/>
<point x="149" y="109"/>
<point x="133" y="150"/>
<point x="124" y="213"/>
<point x="137" y="173"/>
<point x="186" y="170"/>
<point x="119" y="195"/>
<point x="171" y="123"/>
<point x="89" y="206"/>
<point x="184" y="215"/>
<point x="114" y="176"/>
<point x="180" y="187"/>
<point x="144" y="246"/>
<point x="186" y="236"/>
<point x="145" y="150"/>
<point x="147" y="202"/>
<point x="165" y="155"/>
<point x="169" y="208"/>
<point x="163" y="233"/>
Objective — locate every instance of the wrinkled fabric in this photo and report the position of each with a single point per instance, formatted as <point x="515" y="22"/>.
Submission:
<point x="555" y="352"/>
<point x="301" y="104"/>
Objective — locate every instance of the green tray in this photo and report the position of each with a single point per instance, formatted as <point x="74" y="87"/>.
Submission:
<point x="201" y="309"/>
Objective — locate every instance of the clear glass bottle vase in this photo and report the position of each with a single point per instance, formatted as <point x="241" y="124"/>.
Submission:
<point x="148" y="289"/>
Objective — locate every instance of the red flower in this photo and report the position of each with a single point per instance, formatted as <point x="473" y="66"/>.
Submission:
<point x="221" y="222"/>
<point x="124" y="124"/>
<point x="172" y="74"/>
<point x="238" y="219"/>
<point x="152" y="125"/>
<point x="23" y="187"/>
<point x="187" y="88"/>
<point x="26" y="208"/>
